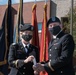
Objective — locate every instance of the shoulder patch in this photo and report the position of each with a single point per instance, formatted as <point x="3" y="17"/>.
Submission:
<point x="13" y="43"/>
<point x="33" y="46"/>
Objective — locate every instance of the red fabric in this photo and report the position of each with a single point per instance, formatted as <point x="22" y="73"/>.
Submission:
<point x="44" y="40"/>
<point x="35" y="39"/>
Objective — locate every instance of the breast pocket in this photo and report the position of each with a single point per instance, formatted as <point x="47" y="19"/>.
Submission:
<point x="60" y="72"/>
<point x="20" y="54"/>
<point x="33" y="53"/>
<point x="58" y="48"/>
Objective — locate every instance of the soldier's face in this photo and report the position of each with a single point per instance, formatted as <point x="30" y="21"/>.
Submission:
<point x="27" y="33"/>
<point x="26" y="36"/>
<point x="51" y="25"/>
<point x="54" y="28"/>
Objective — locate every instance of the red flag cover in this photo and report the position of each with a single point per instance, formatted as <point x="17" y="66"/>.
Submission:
<point x="44" y="40"/>
<point x="35" y="39"/>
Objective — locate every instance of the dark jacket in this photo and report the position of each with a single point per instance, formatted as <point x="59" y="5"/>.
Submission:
<point x="17" y="52"/>
<point x="61" y="55"/>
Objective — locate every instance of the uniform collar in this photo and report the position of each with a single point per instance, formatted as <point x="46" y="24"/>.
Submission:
<point x="26" y="45"/>
<point x="55" y="36"/>
<point x="60" y="34"/>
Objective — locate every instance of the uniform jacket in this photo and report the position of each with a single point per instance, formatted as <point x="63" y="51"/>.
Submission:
<point x="61" y="55"/>
<point x="17" y="52"/>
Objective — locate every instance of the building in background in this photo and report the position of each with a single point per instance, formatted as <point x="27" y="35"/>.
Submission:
<point x="58" y="8"/>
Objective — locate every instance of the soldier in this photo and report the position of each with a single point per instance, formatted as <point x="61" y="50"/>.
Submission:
<point x="60" y="50"/>
<point x="21" y="54"/>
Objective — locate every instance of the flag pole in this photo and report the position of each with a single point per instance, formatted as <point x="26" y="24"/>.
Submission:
<point x="71" y="23"/>
<point x="35" y="2"/>
<point x="45" y="1"/>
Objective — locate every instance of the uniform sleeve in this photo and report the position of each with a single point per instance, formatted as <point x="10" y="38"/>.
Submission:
<point x="37" y="54"/>
<point x="13" y="62"/>
<point x="65" y="56"/>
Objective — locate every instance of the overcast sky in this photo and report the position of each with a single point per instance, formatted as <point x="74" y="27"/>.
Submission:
<point x="3" y="2"/>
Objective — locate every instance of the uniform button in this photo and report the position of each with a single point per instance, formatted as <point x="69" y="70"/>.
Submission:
<point x="55" y="47"/>
<point x="61" y="71"/>
<point x="50" y="60"/>
<point x="24" y="67"/>
<point x="50" y="55"/>
<point x="23" y="72"/>
<point x="50" y="49"/>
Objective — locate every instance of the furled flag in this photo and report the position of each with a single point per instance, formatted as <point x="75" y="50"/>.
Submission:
<point x="44" y="40"/>
<point x="19" y="21"/>
<point x="6" y="34"/>
<point x="35" y="39"/>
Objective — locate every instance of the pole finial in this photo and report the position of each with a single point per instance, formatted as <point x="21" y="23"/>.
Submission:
<point x="45" y="1"/>
<point x="35" y="2"/>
